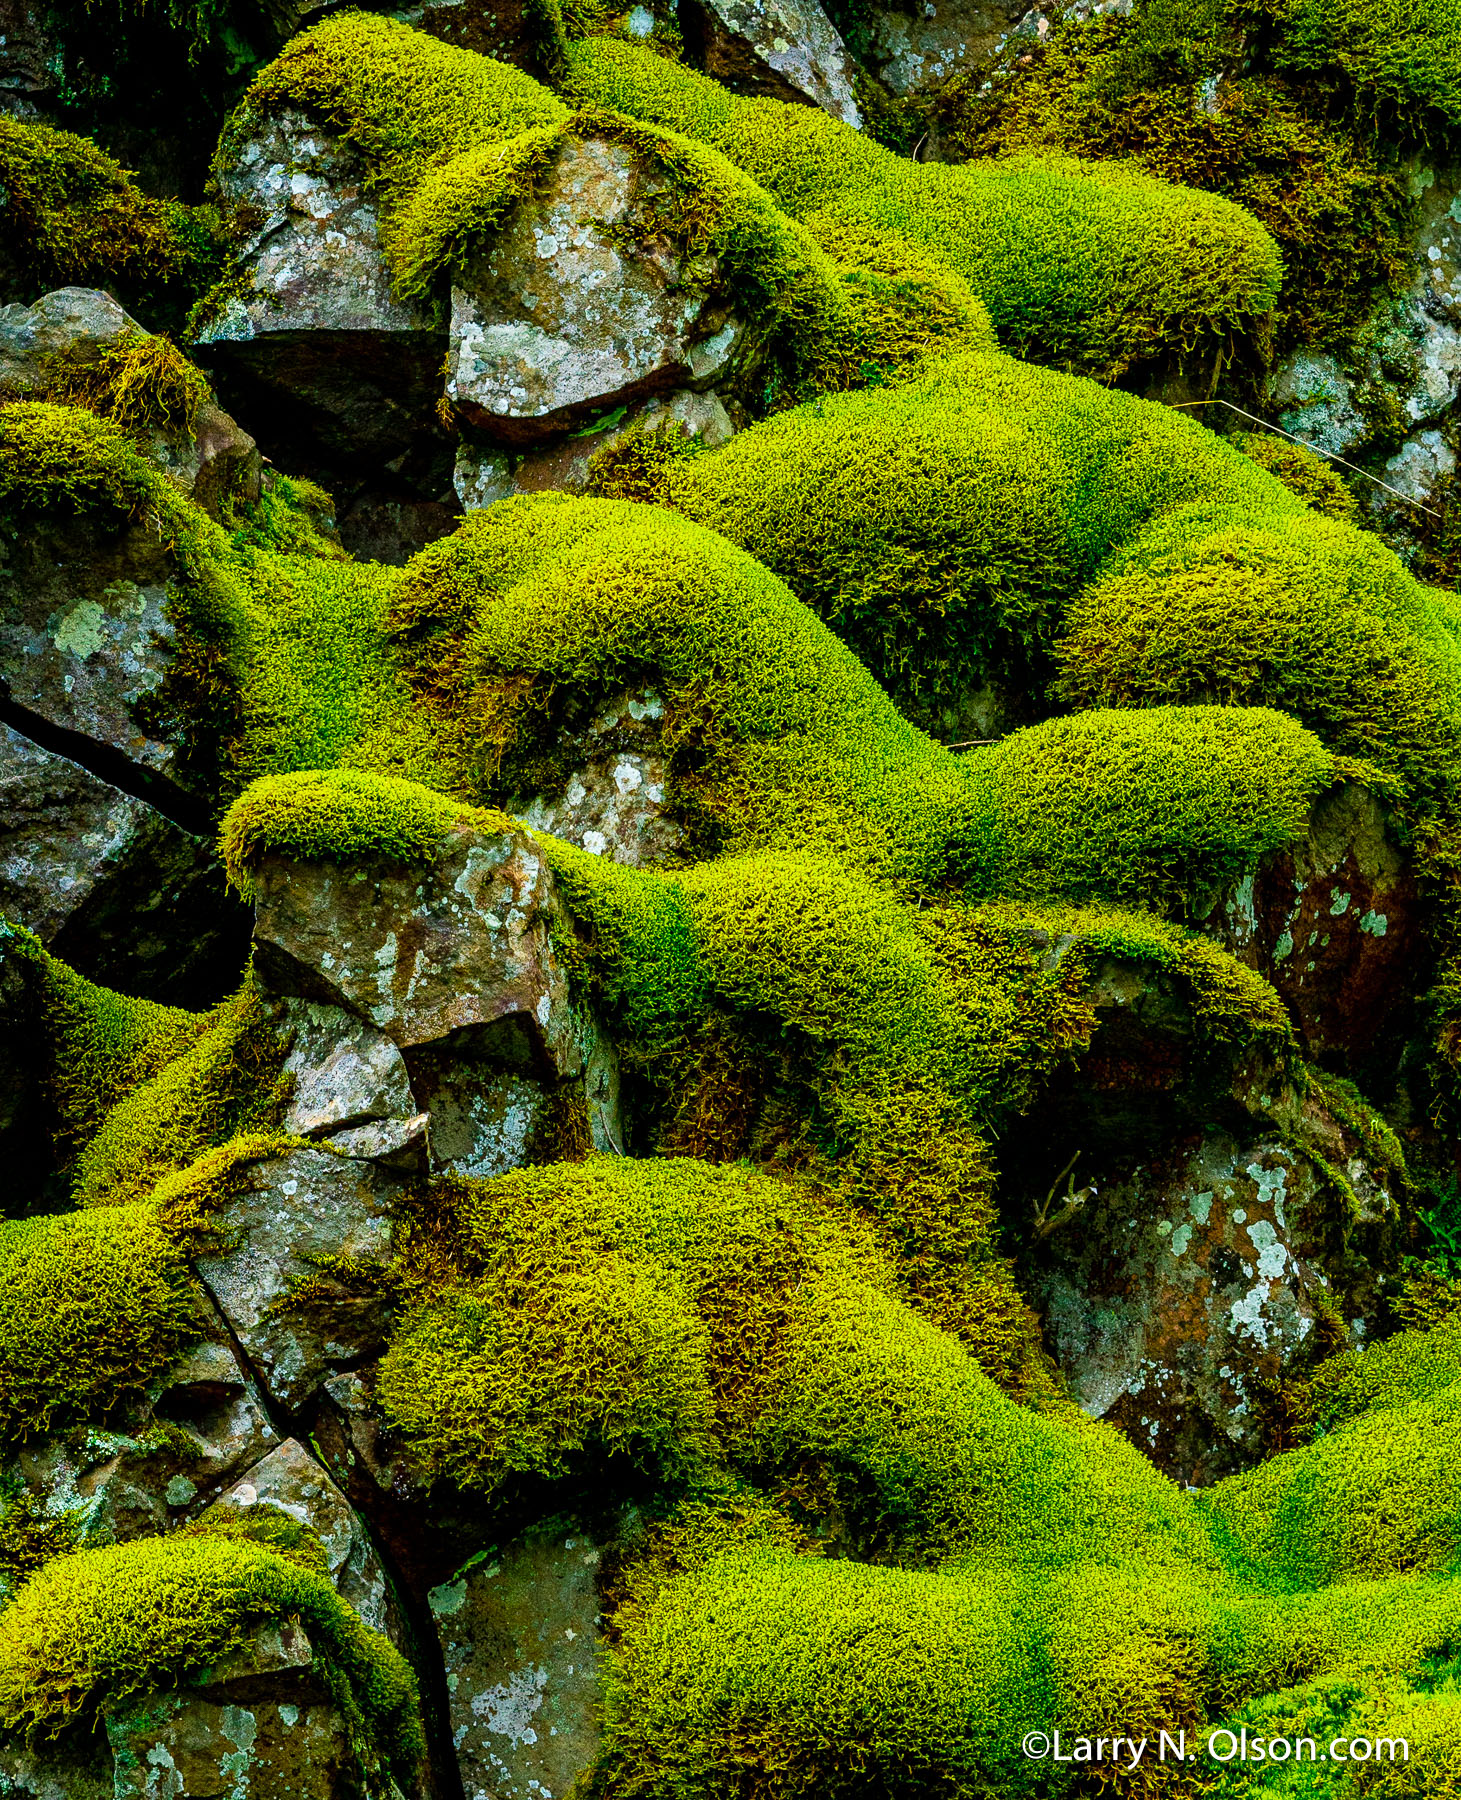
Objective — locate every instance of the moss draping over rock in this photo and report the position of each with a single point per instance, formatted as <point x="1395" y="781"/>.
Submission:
<point x="1401" y="63"/>
<point x="93" y="1629"/>
<point x="1088" y="266"/>
<point x="71" y="216"/>
<point x="1302" y="471"/>
<point x="141" y="381"/>
<point x="93" y="1306"/>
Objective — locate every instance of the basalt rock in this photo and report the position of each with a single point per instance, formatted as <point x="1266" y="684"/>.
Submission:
<point x="785" y="49"/>
<point x="520" y="1636"/>
<point x="1337" y="925"/>
<point x="613" y="804"/>
<point x="578" y="304"/>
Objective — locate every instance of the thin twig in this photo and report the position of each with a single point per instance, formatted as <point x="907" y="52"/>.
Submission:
<point x="1328" y="455"/>
<point x="972" y="743"/>
<point x="609" y="1131"/>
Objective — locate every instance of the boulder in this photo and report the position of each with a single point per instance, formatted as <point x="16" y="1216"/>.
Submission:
<point x="291" y="1482"/>
<point x="264" y="1724"/>
<point x="520" y="1635"/>
<point x="914" y="49"/>
<point x="487" y="472"/>
<point x="111" y="885"/>
<point x="316" y="328"/>
<point x="214" y="463"/>
<point x="785" y="49"/>
<point x="300" y="1277"/>
<point x="1337" y="925"/>
<point x="424" y="951"/>
<point x="579" y="305"/>
<point x="77" y="1773"/>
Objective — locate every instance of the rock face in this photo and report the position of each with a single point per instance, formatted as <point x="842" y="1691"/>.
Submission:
<point x="264" y="1724"/>
<point x="519" y="1635"/>
<point x="291" y="1482"/>
<point x="787" y="49"/>
<point x="1337" y="926"/>
<point x="578" y="304"/>
<point x="109" y="884"/>
<point x="614" y="802"/>
<point x="306" y="1238"/>
<point x="319" y="327"/>
<point x="213" y="463"/>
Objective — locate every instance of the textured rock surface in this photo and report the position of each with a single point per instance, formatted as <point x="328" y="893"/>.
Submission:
<point x="519" y="1635"/>
<point x="319" y="325"/>
<point x="53" y="1775"/>
<point x="263" y="1725"/>
<point x="614" y="802"/>
<point x="111" y="885"/>
<point x="306" y="1237"/>
<point x="290" y="1481"/>
<point x="423" y="950"/>
<point x="788" y="49"/>
<point x="486" y="473"/>
<point x="215" y="462"/>
<point x="915" y="48"/>
<point x="578" y="304"/>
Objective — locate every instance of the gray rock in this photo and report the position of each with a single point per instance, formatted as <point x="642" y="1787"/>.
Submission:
<point x="486" y="473"/>
<point x="30" y="61"/>
<point x="788" y="49"/>
<point x="613" y="803"/>
<point x="520" y="1635"/>
<point x="290" y="1481"/>
<point x="265" y="1724"/>
<point x="1315" y="398"/>
<point x="51" y="1774"/>
<point x="214" y="463"/>
<point x="578" y="305"/>
<point x="110" y="884"/>
<point x="306" y="1238"/>
<point x="914" y="49"/>
<point x="319" y="321"/>
<point x="345" y="1072"/>
<point x="423" y="951"/>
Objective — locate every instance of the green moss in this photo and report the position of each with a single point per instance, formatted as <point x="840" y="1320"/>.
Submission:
<point x="1303" y="472"/>
<point x="92" y="1307"/>
<point x="95" y="1629"/>
<point x="1176" y="91"/>
<point x="1083" y="265"/>
<point x="1401" y="64"/>
<point x="336" y="814"/>
<point x="140" y="381"/>
<point x="1162" y="807"/>
<point x="29" y="1535"/>
<point x="290" y="516"/>
<point x="71" y="217"/>
<point x="226" y="1082"/>
<point x="1412" y="1365"/>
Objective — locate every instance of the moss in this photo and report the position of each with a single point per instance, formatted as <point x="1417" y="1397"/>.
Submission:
<point x="291" y="516"/>
<point x="1083" y="265"/>
<point x="95" y="1629"/>
<point x="1412" y="1365"/>
<point x="1176" y="91"/>
<point x="1401" y="65"/>
<point x="1302" y="472"/>
<point x="29" y="1535"/>
<point x="71" y="217"/>
<point x="337" y="814"/>
<point x="1161" y="807"/>
<point x="226" y="1082"/>
<point x="140" y="381"/>
<point x="92" y="1307"/>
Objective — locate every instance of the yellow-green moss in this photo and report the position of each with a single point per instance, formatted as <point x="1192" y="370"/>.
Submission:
<point x="1402" y="64"/>
<point x="92" y="1307"/>
<point x="1161" y="807"/>
<point x="1302" y="471"/>
<point x="95" y="1629"/>
<point x="139" y="380"/>
<point x="1412" y="1365"/>
<point x="1088" y="266"/>
<point x="336" y="814"/>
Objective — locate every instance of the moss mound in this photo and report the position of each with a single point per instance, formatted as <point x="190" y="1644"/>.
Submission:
<point x="1089" y="267"/>
<point x="92" y="1307"/>
<point x="98" y="1627"/>
<point x="1316" y="482"/>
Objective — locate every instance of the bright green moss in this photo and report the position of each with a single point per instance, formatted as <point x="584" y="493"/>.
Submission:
<point x="1301" y="470"/>
<point x="1401" y="63"/>
<point x="95" y="1629"/>
<point x="71" y="217"/>
<point x="1297" y="612"/>
<point x="92" y="1307"/>
<point x="337" y="814"/>
<point x="140" y="381"/>
<point x="520" y="625"/>
<point x="1161" y="807"/>
<point x="1412" y="1365"/>
<point x="225" y="1082"/>
<point x="1381" y="1494"/>
<point x="52" y="455"/>
<point x="1084" y="265"/>
<point x="942" y="528"/>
